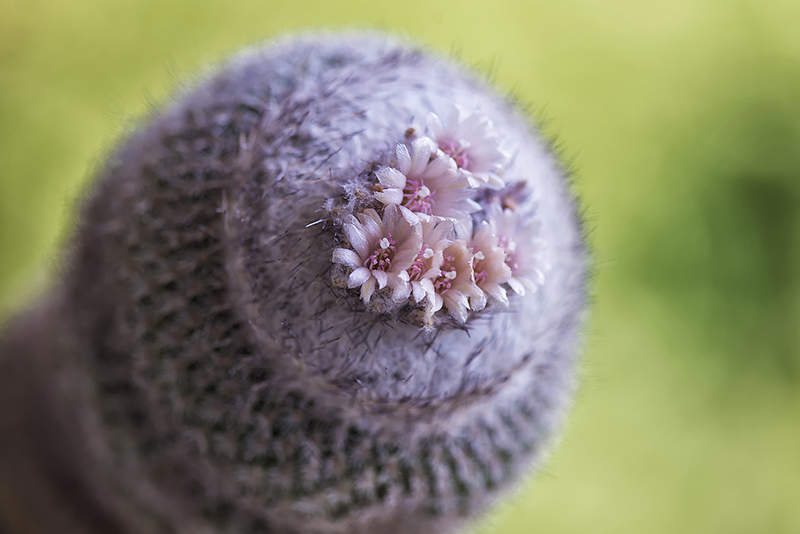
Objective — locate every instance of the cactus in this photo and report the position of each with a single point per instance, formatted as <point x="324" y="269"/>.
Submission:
<point x="215" y="370"/>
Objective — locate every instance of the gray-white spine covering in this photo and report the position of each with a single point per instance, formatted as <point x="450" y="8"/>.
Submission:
<point x="233" y="388"/>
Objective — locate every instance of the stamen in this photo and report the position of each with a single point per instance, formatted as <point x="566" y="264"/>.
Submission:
<point x="480" y="274"/>
<point x="442" y="285"/>
<point x="418" y="197"/>
<point x="456" y="151"/>
<point x="449" y="274"/>
<point x="418" y="267"/>
<point x="381" y="258"/>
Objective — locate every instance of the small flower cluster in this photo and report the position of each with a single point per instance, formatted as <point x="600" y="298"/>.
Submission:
<point x="439" y="229"/>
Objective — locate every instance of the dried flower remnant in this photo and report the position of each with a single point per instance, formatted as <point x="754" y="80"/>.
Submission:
<point x="473" y="144"/>
<point x="512" y="196"/>
<point x="426" y="182"/>
<point x="383" y="249"/>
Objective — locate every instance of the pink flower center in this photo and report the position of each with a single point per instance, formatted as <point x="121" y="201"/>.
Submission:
<point x="445" y="280"/>
<point x="417" y="196"/>
<point x="381" y="258"/>
<point x="418" y="267"/>
<point x="480" y="273"/>
<point x="457" y="152"/>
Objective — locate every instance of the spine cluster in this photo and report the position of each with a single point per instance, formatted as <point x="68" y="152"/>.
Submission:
<point x="438" y="230"/>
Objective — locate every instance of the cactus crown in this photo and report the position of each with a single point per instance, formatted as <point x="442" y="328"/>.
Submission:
<point x="449" y="232"/>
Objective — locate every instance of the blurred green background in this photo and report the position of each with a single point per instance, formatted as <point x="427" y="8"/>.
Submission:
<point x="682" y="122"/>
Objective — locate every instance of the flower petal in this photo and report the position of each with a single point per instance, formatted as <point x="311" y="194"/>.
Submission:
<point x="405" y="257"/>
<point x="367" y="289"/>
<point x="390" y="177"/>
<point x="401" y="288"/>
<point x="358" y="277"/>
<point x="472" y="205"/>
<point x="390" y="196"/>
<point x="454" y="118"/>
<point x="418" y="291"/>
<point x="420" y="155"/>
<point x="497" y="293"/>
<point x="403" y="159"/>
<point x="492" y="180"/>
<point x="457" y="305"/>
<point x="473" y="180"/>
<point x="435" y="124"/>
<point x="371" y="227"/>
<point x="441" y="164"/>
<point x="391" y="219"/>
<point x="478" y="303"/>
<point x="427" y="285"/>
<point x="347" y="257"/>
<point x="438" y="301"/>
<point x="381" y="277"/>
<point x="517" y="286"/>
<point x="357" y="239"/>
<point x="411" y="217"/>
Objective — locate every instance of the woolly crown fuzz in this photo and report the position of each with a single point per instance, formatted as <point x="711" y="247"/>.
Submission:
<point x="246" y="379"/>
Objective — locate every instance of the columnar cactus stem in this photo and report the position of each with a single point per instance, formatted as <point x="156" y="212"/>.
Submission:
<point x="224" y="373"/>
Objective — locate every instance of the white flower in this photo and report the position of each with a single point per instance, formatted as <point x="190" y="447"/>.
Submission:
<point x="474" y="145"/>
<point x="383" y="249"/>
<point x="489" y="265"/>
<point x="518" y="236"/>
<point x="427" y="182"/>
<point x="455" y="284"/>
<point x="436" y="235"/>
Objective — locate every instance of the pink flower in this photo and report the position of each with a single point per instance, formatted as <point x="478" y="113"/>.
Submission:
<point x="489" y="265"/>
<point x="436" y="235"/>
<point x="383" y="249"/>
<point x="426" y="182"/>
<point x="474" y="145"/>
<point x="455" y="284"/>
<point x="518" y="236"/>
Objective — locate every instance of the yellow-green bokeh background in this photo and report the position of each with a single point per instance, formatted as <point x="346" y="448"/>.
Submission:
<point x="681" y="119"/>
